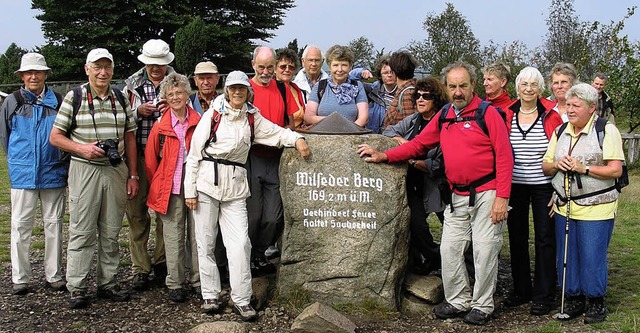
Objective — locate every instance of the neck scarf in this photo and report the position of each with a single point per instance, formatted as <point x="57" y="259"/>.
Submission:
<point x="345" y="92"/>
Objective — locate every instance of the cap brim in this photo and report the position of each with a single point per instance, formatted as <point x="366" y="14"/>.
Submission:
<point x="156" y="61"/>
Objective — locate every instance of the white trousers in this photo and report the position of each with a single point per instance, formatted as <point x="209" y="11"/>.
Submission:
<point x="23" y="213"/>
<point x="470" y="224"/>
<point x="231" y="216"/>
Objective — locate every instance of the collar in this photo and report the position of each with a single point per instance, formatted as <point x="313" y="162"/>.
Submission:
<point x="175" y="120"/>
<point x="586" y="128"/>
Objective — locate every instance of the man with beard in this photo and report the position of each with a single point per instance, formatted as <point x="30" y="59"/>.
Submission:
<point x="481" y="187"/>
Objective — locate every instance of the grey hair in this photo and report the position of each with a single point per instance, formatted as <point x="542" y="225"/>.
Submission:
<point x="249" y="94"/>
<point x="585" y="92"/>
<point x="529" y="73"/>
<point x="309" y="47"/>
<point x="566" y="69"/>
<point x="257" y="50"/>
<point x="601" y="76"/>
<point x="174" y="80"/>
<point x="499" y="68"/>
<point x="471" y="69"/>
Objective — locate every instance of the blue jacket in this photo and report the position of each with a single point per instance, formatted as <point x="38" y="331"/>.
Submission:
<point x="24" y="133"/>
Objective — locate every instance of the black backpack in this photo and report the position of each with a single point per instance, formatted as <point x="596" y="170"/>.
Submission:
<point x="478" y="117"/>
<point x="77" y="101"/>
<point x="621" y="182"/>
<point x="322" y="86"/>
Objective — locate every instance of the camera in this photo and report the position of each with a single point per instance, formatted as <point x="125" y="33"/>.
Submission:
<point x="110" y="148"/>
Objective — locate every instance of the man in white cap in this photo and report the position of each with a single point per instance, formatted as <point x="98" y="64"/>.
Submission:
<point x="141" y="89"/>
<point x="35" y="172"/>
<point x="96" y="126"/>
<point x="206" y="78"/>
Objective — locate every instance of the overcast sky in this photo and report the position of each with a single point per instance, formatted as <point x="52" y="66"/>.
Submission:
<point x="388" y="24"/>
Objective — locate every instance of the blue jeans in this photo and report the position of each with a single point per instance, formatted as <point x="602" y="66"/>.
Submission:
<point x="586" y="255"/>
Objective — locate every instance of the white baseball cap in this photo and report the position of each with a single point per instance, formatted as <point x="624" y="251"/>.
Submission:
<point x="237" y="77"/>
<point x="206" y="67"/>
<point x="156" y="52"/>
<point x="97" y="54"/>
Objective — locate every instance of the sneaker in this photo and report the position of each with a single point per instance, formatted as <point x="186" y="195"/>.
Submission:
<point x="246" y="312"/>
<point x="114" y="293"/>
<point x="514" y="300"/>
<point x="261" y="266"/>
<point x="446" y="311"/>
<point x="79" y="300"/>
<point x="20" y="289"/>
<point x="210" y="305"/>
<point x="140" y="282"/>
<point x="540" y="308"/>
<point x="177" y="295"/>
<point x="476" y="317"/>
<point x="573" y="307"/>
<point x="160" y="273"/>
<point x="596" y="311"/>
<point x="59" y="285"/>
<point x="272" y="252"/>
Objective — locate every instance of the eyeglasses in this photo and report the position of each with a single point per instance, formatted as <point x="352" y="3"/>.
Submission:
<point x="532" y="85"/>
<point x="98" y="68"/>
<point x="285" y="66"/>
<point x="176" y="94"/>
<point x="425" y="96"/>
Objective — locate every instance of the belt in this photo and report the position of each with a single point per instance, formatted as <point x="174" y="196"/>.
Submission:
<point x="91" y="162"/>
<point x="217" y="161"/>
<point x="471" y="188"/>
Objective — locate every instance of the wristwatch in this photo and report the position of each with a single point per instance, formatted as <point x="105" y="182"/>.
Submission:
<point x="586" y="172"/>
<point x="134" y="177"/>
<point x="413" y="163"/>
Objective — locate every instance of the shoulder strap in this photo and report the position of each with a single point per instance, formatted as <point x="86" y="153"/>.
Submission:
<point x="77" y="100"/>
<point x="322" y="86"/>
<point x="59" y="99"/>
<point x="400" y="97"/>
<point x="479" y="116"/>
<point x="601" y="122"/>
<point x="252" y="120"/>
<point x="19" y="98"/>
<point x="443" y="115"/>
<point x="161" y="138"/>
<point x="215" y="122"/>
<point x="120" y="98"/>
<point x="282" y="87"/>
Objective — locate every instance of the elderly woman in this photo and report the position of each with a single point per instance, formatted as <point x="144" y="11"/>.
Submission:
<point x="584" y="214"/>
<point x="495" y="79"/>
<point x="563" y="76"/>
<point x="381" y="94"/>
<point x="286" y="65"/>
<point x="424" y="175"/>
<point x="338" y="93"/>
<point x="165" y="155"/>
<point x="216" y="187"/>
<point x="531" y="128"/>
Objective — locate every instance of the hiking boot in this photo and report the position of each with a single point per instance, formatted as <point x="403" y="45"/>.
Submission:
<point x="160" y="273"/>
<point x="573" y="307"/>
<point x="197" y="291"/>
<point x="476" y="317"/>
<point x="514" y="300"/>
<point x="114" y="293"/>
<point x="20" y="289"/>
<point x="246" y="312"/>
<point x="79" y="300"/>
<point x="140" y="282"/>
<point x="446" y="311"/>
<point x="177" y="295"/>
<point x="59" y="285"/>
<point x="596" y="311"/>
<point x="210" y="305"/>
<point x="272" y="253"/>
<point x="540" y="308"/>
<point x="261" y="266"/>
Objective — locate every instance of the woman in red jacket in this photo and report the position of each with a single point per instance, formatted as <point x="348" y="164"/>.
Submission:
<point x="165" y="155"/>
<point x="531" y="127"/>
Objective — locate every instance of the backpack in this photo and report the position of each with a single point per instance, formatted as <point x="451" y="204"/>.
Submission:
<point x="400" y="97"/>
<point x="282" y="87"/>
<point x="77" y="101"/>
<point x="478" y="117"/>
<point x="322" y="86"/>
<point x="20" y="101"/>
<point x="621" y="182"/>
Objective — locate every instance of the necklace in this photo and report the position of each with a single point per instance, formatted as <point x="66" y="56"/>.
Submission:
<point x="530" y="111"/>
<point x="390" y="91"/>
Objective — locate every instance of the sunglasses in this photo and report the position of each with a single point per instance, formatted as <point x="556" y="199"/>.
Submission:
<point x="425" y="96"/>
<point x="284" y="67"/>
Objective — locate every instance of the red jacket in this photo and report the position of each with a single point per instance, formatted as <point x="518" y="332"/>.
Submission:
<point x="160" y="171"/>
<point x="469" y="154"/>
<point x="503" y="101"/>
<point x="550" y="118"/>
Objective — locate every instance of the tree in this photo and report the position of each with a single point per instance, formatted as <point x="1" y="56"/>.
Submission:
<point x="364" y="52"/>
<point x="230" y="27"/>
<point x="449" y="39"/>
<point x="9" y="63"/>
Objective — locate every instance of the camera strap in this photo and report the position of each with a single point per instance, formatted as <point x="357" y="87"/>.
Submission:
<point x="92" y="111"/>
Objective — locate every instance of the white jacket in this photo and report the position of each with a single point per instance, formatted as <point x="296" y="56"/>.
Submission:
<point x="232" y="144"/>
<point x="303" y="82"/>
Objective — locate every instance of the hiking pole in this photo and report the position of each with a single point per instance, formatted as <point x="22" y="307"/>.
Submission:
<point x="563" y="315"/>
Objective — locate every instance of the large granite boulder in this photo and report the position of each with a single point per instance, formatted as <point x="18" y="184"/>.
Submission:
<point x="346" y="222"/>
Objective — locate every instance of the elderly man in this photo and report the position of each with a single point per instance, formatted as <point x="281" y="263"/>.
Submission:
<point x="311" y="72"/>
<point x="206" y="78"/>
<point x="481" y="188"/>
<point x="604" y="107"/>
<point x="495" y="79"/>
<point x="264" y="206"/>
<point x="141" y="89"/>
<point x="36" y="172"/>
<point x="96" y="126"/>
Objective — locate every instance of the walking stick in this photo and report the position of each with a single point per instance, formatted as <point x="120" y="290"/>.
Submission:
<point x="563" y="315"/>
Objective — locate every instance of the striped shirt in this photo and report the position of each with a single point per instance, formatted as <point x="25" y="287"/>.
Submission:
<point x="529" y="144"/>
<point x="105" y="121"/>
